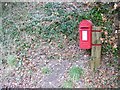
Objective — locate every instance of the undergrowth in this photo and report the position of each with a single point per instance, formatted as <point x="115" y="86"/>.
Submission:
<point x="52" y="22"/>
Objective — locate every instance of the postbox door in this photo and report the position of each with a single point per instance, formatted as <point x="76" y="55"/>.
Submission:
<point x="85" y="34"/>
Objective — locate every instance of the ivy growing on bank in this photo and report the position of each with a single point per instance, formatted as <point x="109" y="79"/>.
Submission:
<point x="58" y="20"/>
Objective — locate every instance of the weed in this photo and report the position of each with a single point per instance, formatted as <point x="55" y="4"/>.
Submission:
<point x="11" y="60"/>
<point x="46" y="70"/>
<point x="75" y="73"/>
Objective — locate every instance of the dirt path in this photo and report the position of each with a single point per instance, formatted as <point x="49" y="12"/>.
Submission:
<point x="47" y="66"/>
<point x="55" y="64"/>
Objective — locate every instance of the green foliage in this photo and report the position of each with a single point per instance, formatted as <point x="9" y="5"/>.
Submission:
<point x="101" y="15"/>
<point x="11" y="60"/>
<point x="75" y="73"/>
<point x="61" y="22"/>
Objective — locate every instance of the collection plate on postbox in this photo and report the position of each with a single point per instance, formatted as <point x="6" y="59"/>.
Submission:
<point x="85" y="34"/>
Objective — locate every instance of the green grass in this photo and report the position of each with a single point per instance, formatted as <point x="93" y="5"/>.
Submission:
<point x="67" y="84"/>
<point x="75" y="73"/>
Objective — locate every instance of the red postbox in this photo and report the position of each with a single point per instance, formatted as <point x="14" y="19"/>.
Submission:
<point x="85" y="34"/>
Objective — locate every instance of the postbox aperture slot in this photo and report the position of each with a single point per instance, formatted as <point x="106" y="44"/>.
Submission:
<point x="84" y="27"/>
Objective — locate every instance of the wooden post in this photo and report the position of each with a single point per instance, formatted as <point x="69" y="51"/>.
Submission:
<point x="96" y="50"/>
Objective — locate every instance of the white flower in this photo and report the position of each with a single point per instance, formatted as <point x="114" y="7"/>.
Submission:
<point x="115" y="46"/>
<point x="115" y="6"/>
